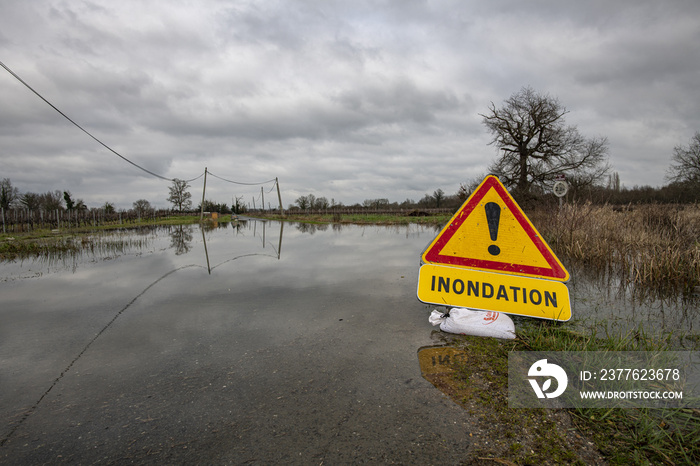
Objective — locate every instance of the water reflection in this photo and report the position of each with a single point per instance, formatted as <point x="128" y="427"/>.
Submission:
<point x="237" y="227"/>
<point x="604" y="297"/>
<point x="181" y="239"/>
<point x="305" y="337"/>
<point x="438" y="364"/>
<point x="74" y="251"/>
<point x="409" y="230"/>
<point x="439" y="359"/>
<point x="323" y="251"/>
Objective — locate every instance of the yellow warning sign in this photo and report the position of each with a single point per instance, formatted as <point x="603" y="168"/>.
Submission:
<point x="491" y="233"/>
<point x="512" y="294"/>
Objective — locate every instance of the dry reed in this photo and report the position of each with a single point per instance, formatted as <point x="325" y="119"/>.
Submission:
<point x="651" y="245"/>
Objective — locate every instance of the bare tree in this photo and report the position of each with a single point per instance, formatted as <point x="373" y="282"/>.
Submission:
<point x="237" y="206"/>
<point x="375" y="203"/>
<point x="614" y="182"/>
<point x="142" y="206"/>
<point x="179" y="196"/>
<point x="31" y="201"/>
<point x="312" y="201"/>
<point x="321" y="203"/>
<point x="537" y="145"/>
<point x="108" y="207"/>
<point x="685" y="162"/>
<point x="51" y="200"/>
<point x="302" y="202"/>
<point x="438" y="195"/>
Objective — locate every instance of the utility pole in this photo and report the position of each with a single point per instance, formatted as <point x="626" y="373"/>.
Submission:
<point x="279" y="196"/>
<point x="262" y="194"/>
<point x="204" y="189"/>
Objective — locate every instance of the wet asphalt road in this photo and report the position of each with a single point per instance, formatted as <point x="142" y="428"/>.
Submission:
<point x="308" y="358"/>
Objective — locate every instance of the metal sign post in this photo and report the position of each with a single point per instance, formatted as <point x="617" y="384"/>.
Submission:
<point x="560" y="189"/>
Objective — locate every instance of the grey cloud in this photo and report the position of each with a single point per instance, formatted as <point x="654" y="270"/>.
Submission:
<point x="398" y="101"/>
<point x="349" y="100"/>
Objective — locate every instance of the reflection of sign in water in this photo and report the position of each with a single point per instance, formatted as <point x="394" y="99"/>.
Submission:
<point x="437" y="363"/>
<point x="438" y="359"/>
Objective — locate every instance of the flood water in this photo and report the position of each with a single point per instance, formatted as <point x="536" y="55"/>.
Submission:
<point x="255" y="342"/>
<point x="605" y="301"/>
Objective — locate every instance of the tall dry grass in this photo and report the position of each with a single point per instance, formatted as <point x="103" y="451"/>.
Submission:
<point x="651" y="245"/>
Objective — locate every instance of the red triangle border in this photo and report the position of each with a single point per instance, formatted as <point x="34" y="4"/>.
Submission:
<point x="556" y="271"/>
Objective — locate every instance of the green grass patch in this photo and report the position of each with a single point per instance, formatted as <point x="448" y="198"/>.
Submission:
<point x="509" y="436"/>
<point x="623" y="436"/>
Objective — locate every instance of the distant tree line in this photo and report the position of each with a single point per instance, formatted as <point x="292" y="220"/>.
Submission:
<point x="674" y="193"/>
<point x="57" y="200"/>
<point x="212" y="206"/>
<point x="11" y="198"/>
<point x="430" y="201"/>
<point x="52" y="201"/>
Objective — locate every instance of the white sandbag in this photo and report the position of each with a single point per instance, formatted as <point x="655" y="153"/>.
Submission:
<point x="470" y="322"/>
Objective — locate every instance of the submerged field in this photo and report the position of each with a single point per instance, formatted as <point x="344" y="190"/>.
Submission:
<point x="653" y="249"/>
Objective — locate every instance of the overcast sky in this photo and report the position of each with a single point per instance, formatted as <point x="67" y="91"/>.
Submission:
<point x="350" y="100"/>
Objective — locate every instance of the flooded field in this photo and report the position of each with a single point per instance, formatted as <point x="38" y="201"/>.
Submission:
<point x="256" y="342"/>
<point x="603" y="300"/>
<point x="248" y="342"/>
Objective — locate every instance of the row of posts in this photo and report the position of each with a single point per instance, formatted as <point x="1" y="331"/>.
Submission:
<point x="31" y="222"/>
<point x="59" y="218"/>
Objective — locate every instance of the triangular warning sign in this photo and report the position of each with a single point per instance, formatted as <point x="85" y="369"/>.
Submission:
<point x="490" y="232"/>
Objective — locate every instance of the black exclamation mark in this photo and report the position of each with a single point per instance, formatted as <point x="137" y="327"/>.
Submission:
<point x="493" y="218"/>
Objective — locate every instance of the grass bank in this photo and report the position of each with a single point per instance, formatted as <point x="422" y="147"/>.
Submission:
<point x="564" y="436"/>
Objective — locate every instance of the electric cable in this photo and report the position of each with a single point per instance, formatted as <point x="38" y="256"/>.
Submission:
<point x="239" y="182"/>
<point x="83" y="129"/>
<point x="112" y="150"/>
<point x="193" y="179"/>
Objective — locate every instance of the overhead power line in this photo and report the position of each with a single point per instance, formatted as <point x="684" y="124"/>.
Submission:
<point x="193" y="179"/>
<point x="86" y="131"/>
<point x="241" y="183"/>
